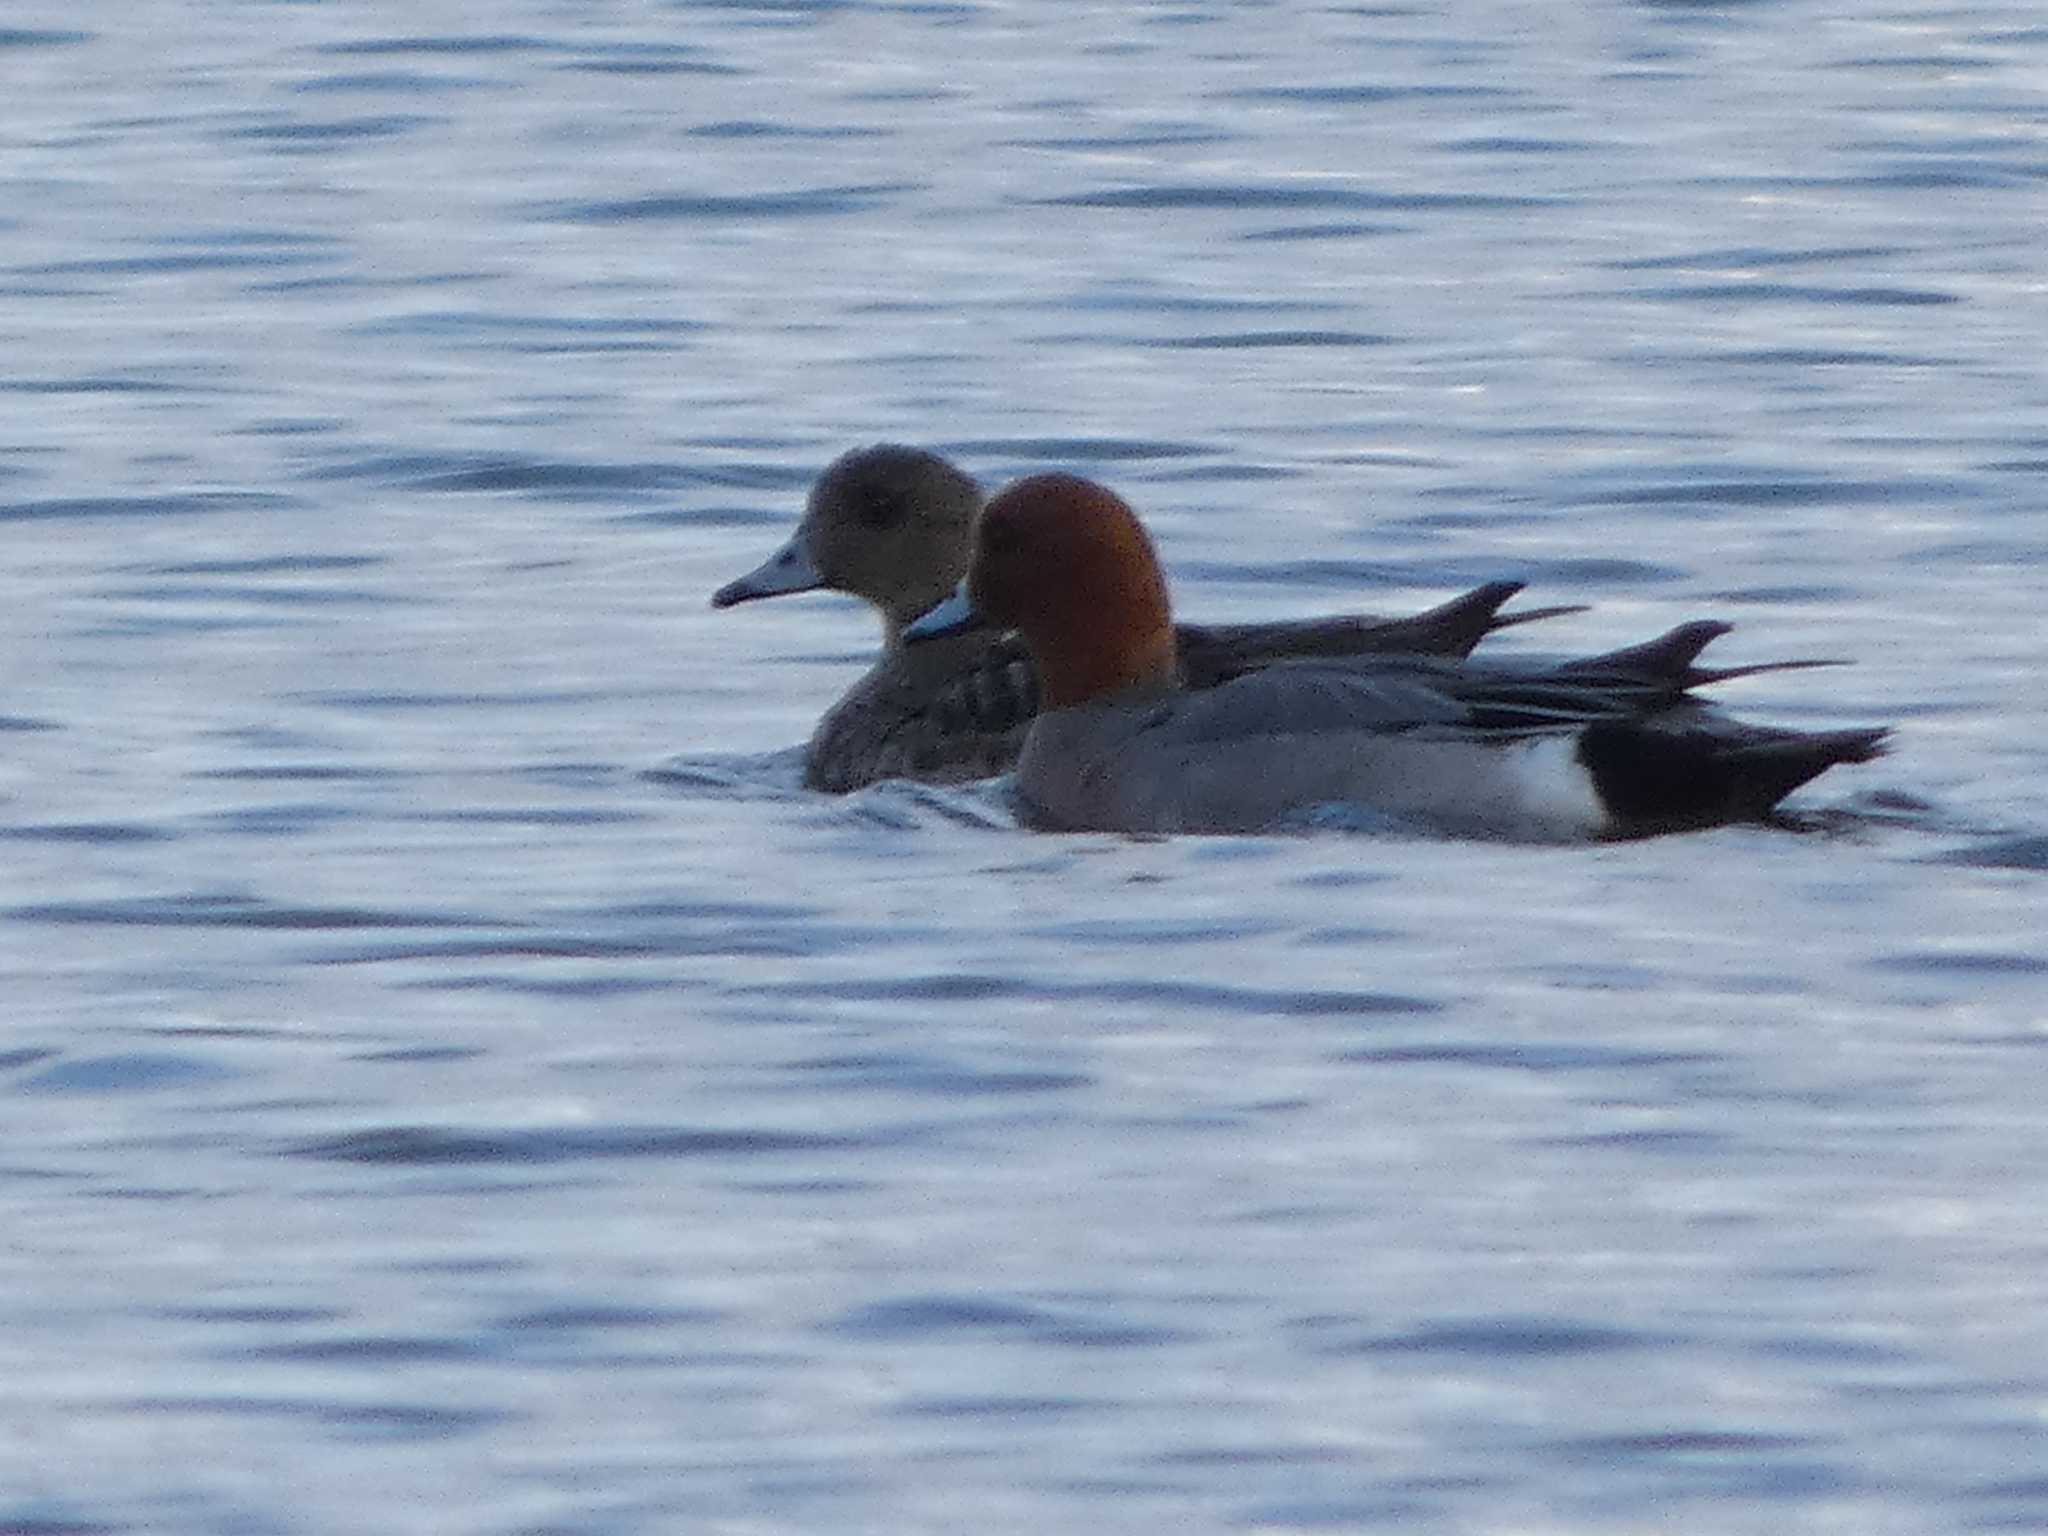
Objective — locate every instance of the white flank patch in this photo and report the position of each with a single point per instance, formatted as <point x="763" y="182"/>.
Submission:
<point x="1556" y="789"/>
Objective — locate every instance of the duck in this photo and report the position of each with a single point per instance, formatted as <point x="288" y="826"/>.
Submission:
<point x="894" y="525"/>
<point x="1605" y="747"/>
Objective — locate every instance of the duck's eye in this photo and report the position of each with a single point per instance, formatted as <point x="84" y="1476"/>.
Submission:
<point x="877" y="509"/>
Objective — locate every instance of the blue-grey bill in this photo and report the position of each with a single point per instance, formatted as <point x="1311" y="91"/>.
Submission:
<point x="955" y="615"/>
<point x="789" y="569"/>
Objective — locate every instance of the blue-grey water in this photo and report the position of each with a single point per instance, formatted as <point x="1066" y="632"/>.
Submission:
<point x="456" y="1081"/>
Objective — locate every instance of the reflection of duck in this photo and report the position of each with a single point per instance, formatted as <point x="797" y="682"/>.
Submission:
<point x="896" y="526"/>
<point x="1609" y="746"/>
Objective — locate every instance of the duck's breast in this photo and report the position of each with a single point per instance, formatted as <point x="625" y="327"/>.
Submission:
<point x="946" y="713"/>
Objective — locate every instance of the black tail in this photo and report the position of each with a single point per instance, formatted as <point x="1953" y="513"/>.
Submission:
<point x="1653" y="780"/>
<point x="1455" y="627"/>
<point x="1215" y="653"/>
<point x="1669" y="657"/>
<point x="1673" y="658"/>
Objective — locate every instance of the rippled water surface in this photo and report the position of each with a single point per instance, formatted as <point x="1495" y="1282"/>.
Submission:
<point x="456" y="1081"/>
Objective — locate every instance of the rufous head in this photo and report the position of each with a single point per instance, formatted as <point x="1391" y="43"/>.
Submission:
<point x="1065" y="561"/>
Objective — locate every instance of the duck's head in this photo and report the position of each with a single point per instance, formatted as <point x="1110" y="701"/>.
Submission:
<point x="890" y="524"/>
<point x="1066" y="562"/>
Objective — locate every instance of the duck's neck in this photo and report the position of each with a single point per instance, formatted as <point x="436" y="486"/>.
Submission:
<point x="901" y="610"/>
<point x="1072" y="672"/>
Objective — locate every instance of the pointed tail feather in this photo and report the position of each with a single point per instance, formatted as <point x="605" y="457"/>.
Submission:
<point x="1461" y="623"/>
<point x="1536" y="615"/>
<point x="1673" y="658"/>
<point x="1670" y="656"/>
<point x="1455" y="627"/>
<point x="1214" y="653"/>
<point x="1703" y="677"/>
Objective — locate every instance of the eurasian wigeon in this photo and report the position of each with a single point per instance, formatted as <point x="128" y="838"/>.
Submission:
<point x="895" y="526"/>
<point x="1610" y="746"/>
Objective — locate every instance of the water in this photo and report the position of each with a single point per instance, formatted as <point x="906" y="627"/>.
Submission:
<point x="457" y="1082"/>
